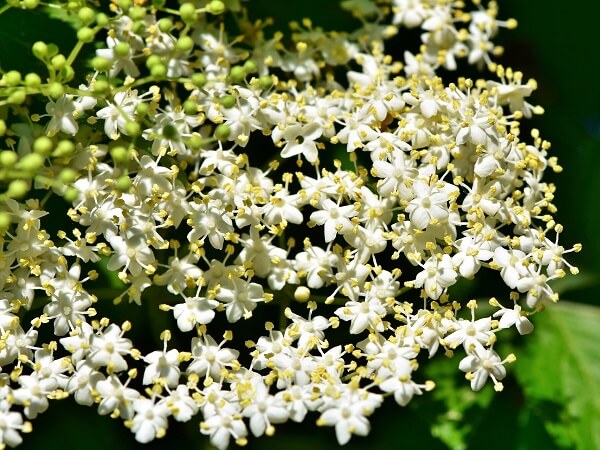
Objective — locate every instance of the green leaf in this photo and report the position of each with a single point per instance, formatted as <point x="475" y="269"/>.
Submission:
<point x="559" y="371"/>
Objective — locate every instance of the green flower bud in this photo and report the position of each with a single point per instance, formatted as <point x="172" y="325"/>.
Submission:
<point x="55" y="89"/>
<point x="215" y="7"/>
<point x="222" y="132"/>
<point x="250" y="66"/>
<point x="122" y="49"/>
<point x="199" y="79"/>
<point x="58" y="62"/>
<point x="33" y="80"/>
<point x="2" y="127"/>
<point x="31" y="4"/>
<point x="102" y="19"/>
<point x="64" y="148"/>
<point x="133" y="129"/>
<point x="8" y="158"/>
<point x="120" y="155"/>
<point x="40" y="50"/>
<point x="17" y="189"/>
<point x="195" y="141"/>
<point x="123" y="183"/>
<point x="142" y="109"/>
<point x="101" y="87"/>
<point x="70" y="194"/>
<point x="5" y="221"/>
<point x="137" y="13"/>
<point x="165" y="24"/>
<point x="237" y="74"/>
<point x="101" y="64"/>
<point x="67" y="175"/>
<point x="187" y="11"/>
<point x="73" y="6"/>
<point x="43" y="145"/>
<point x="158" y="71"/>
<point x="228" y="101"/>
<point x="86" y="15"/>
<point x="30" y="162"/>
<point x="185" y="43"/>
<point x="17" y="97"/>
<point x="67" y="73"/>
<point x="85" y="34"/>
<point x="12" y="78"/>
<point x="190" y="107"/>
<point x="125" y="4"/>
<point x="153" y="60"/>
<point x="265" y="82"/>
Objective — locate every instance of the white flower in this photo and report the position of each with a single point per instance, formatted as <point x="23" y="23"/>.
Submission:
<point x="510" y="317"/>
<point x="208" y="357"/>
<point x="150" y="419"/>
<point x="194" y="311"/>
<point x="480" y="365"/>
<point x="437" y="275"/>
<point x="334" y="218"/>
<point x="62" y="116"/>
<point x="300" y="140"/>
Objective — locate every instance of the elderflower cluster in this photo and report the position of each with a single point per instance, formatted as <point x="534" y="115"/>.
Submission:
<point x="323" y="193"/>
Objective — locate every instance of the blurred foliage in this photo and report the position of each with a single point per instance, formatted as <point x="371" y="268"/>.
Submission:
<point x="554" y="400"/>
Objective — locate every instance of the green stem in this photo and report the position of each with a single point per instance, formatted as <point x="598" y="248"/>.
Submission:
<point x="74" y="53"/>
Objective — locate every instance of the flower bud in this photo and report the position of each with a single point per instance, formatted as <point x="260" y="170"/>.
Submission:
<point x="102" y="20"/>
<point x="101" y="64"/>
<point x="17" y="189"/>
<point x="12" y="78"/>
<point x="125" y="4"/>
<point x="2" y="127"/>
<point x="184" y="44"/>
<point x="43" y="145"/>
<point x="265" y="82"/>
<point x="40" y="49"/>
<point x="133" y="129"/>
<point x="123" y="183"/>
<point x="86" y="15"/>
<point x="237" y="74"/>
<point x="215" y="7"/>
<point x="85" y="34"/>
<point x="222" y="132"/>
<point x="70" y="194"/>
<point x="158" y="71"/>
<point x="188" y="12"/>
<point x="64" y="148"/>
<point x="101" y="87"/>
<point x="8" y="158"/>
<point x="122" y="49"/>
<point x="120" y="155"/>
<point x="165" y="24"/>
<point x="17" y="97"/>
<point x="55" y="90"/>
<point x="250" y="66"/>
<point x="228" y="101"/>
<point x="137" y="13"/>
<point x="199" y="79"/>
<point x="4" y="221"/>
<point x="67" y="175"/>
<point x="142" y="109"/>
<point x="190" y="107"/>
<point x="31" y="4"/>
<point x="30" y="162"/>
<point x="58" y="62"/>
<point x="152" y="61"/>
<point x="33" y="80"/>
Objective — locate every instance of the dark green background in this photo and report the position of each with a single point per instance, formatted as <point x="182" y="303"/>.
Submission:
<point x="557" y="44"/>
